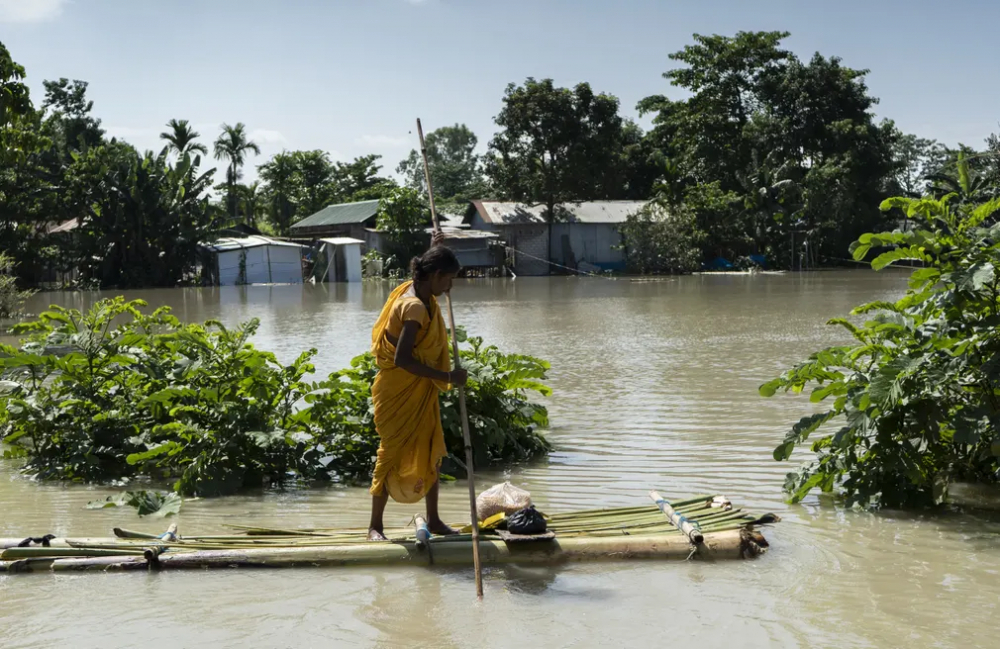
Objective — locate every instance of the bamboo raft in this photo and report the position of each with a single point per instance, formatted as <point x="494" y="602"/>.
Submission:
<point x="700" y="527"/>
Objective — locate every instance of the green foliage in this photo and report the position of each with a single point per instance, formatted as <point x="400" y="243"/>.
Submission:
<point x="233" y="145"/>
<point x="660" y="240"/>
<point x="917" y="393"/>
<point x="358" y="180"/>
<point x="68" y="120"/>
<point x="146" y="503"/>
<point x="503" y="418"/>
<point x="297" y="184"/>
<point x="404" y="217"/>
<point x="141" y="218"/>
<point x="27" y="193"/>
<point x="182" y="139"/>
<point x="556" y="145"/>
<point x="280" y="191"/>
<point x="796" y="141"/>
<point x="117" y="393"/>
<point x="11" y="297"/>
<point x="455" y="167"/>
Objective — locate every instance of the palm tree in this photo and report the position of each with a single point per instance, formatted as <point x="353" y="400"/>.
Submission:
<point x="965" y="182"/>
<point x="233" y="146"/>
<point x="251" y="202"/>
<point x="279" y="176"/>
<point x="181" y="138"/>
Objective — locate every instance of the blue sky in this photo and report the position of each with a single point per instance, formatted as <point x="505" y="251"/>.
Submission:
<point x="351" y="76"/>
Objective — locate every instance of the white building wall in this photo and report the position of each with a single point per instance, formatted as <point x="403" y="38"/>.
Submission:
<point x="264" y="265"/>
<point x="352" y="262"/>
<point x="595" y="243"/>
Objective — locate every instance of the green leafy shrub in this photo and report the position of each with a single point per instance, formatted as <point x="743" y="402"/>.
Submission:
<point x="660" y="239"/>
<point x="146" y="503"/>
<point x="503" y="420"/>
<point x="11" y="297"/>
<point x="119" y="394"/>
<point x="917" y="393"/>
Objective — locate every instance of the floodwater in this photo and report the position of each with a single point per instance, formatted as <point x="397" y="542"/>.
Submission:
<point x="655" y="387"/>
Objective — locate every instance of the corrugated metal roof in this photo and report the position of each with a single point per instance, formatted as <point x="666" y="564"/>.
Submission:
<point x="507" y="213"/>
<point x="341" y="241"/>
<point x="462" y="233"/>
<point x="224" y="244"/>
<point x="342" y="214"/>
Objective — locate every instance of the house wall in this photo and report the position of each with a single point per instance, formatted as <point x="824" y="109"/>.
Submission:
<point x="477" y="223"/>
<point x="373" y="241"/>
<point x="474" y="253"/>
<point x="352" y="262"/>
<point x="264" y="265"/>
<point x="531" y="246"/>
<point x="354" y="230"/>
<point x="591" y="242"/>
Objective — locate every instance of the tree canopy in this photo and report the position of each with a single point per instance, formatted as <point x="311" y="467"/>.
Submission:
<point x="796" y="140"/>
<point x="455" y="167"/>
<point x="555" y="144"/>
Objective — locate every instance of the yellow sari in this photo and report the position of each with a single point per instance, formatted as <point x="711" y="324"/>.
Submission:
<point x="407" y="411"/>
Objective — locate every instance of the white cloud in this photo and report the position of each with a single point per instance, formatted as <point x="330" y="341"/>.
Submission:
<point x="265" y="136"/>
<point x="30" y="11"/>
<point x="386" y="141"/>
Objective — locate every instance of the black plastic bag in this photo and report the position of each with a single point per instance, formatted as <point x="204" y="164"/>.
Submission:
<point x="526" y="521"/>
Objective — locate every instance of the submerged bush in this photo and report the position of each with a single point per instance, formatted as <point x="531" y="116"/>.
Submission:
<point x="12" y="299"/>
<point x="117" y="394"/>
<point x="918" y="394"/>
<point x="659" y="239"/>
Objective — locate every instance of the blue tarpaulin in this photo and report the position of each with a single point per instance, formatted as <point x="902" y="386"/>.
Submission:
<point x="719" y="263"/>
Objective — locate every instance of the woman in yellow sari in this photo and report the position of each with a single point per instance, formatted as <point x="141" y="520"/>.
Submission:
<point x="410" y="343"/>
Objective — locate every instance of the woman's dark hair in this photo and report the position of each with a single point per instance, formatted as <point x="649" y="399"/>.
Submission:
<point x="438" y="259"/>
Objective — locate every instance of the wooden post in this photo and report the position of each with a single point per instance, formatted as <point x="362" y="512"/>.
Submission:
<point x="467" y="438"/>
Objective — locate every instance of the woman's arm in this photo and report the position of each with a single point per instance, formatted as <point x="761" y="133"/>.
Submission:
<point x="405" y="360"/>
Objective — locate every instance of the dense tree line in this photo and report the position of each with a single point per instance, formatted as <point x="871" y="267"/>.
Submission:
<point x="766" y="152"/>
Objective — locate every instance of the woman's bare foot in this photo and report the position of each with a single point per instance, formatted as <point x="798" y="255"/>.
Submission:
<point x="376" y="535"/>
<point x="439" y="528"/>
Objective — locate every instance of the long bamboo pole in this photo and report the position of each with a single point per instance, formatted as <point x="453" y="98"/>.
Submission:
<point x="467" y="438"/>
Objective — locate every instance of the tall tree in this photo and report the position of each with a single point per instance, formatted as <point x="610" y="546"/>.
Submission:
<point x="182" y="138"/>
<point x="912" y="156"/>
<point x="315" y="181"/>
<point x="555" y="145"/>
<point x="280" y="177"/>
<point x="354" y="180"/>
<point x="757" y="121"/>
<point x="454" y="165"/>
<point x="27" y="193"/>
<point x="142" y="218"/>
<point x="404" y="216"/>
<point x="68" y="117"/>
<point x="250" y="202"/>
<point x="233" y="145"/>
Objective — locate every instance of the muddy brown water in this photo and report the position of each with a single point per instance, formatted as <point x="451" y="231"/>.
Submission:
<point x="655" y="387"/>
